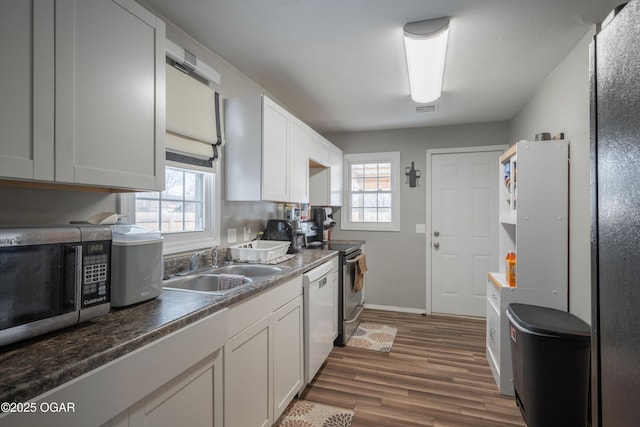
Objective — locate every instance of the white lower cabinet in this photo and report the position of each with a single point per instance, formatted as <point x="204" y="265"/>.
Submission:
<point x="288" y="354"/>
<point x="263" y="366"/>
<point x="498" y="345"/>
<point x="239" y="367"/>
<point x="175" y="380"/>
<point x="248" y="376"/>
<point x="498" y="351"/>
<point x="193" y="398"/>
<point x="186" y="401"/>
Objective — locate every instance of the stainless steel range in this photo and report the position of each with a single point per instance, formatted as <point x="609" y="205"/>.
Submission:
<point x="350" y="302"/>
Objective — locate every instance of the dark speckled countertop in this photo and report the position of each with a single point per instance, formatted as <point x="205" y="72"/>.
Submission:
<point x="30" y="368"/>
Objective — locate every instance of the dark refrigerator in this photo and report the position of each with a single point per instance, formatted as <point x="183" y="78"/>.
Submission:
<point x="615" y="219"/>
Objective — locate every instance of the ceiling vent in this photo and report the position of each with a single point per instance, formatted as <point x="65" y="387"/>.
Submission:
<point x="427" y="108"/>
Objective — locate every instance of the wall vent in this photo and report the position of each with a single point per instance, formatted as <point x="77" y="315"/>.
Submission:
<point x="427" y="108"/>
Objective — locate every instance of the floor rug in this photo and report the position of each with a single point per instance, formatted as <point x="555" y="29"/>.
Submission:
<point x="302" y="413"/>
<point x="373" y="336"/>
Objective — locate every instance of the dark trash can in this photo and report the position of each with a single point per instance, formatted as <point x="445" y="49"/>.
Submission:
<point x="551" y="364"/>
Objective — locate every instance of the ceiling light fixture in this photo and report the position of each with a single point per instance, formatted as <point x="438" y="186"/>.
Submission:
<point x="425" y="43"/>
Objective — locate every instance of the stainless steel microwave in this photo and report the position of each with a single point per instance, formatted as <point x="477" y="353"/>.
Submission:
<point x="52" y="277"/>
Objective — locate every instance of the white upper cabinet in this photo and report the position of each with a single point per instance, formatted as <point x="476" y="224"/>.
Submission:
<point x="336" y="164"/>
<point x="27" y="90"/>
<point x="110" y="86"/>
<point x="266" y="152"/>
<point x="325" y="172"/>
<point x="299" y="135"/>
<point x="95" y="88"/>
<point x="318" y="153"/>
<point x="275" y="152"/>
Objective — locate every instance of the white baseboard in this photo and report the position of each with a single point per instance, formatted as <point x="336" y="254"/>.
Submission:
<point x="395" y="308"/>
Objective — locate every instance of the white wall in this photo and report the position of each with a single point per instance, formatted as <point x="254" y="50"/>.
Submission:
<point x="561" y="104"/>
<point x="396" y="260"/>
<point x="20" y="206"/>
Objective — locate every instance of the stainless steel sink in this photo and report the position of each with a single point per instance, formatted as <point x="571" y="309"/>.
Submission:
<point x="208" y="283"/>
<point x="249" y="270"/>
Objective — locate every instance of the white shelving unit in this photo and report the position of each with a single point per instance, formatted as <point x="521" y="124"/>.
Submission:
<point x="534" y="223"/>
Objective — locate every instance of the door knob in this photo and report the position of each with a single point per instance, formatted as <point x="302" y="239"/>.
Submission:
<point x="436" y="245"/>
<point x="436" y="233"/>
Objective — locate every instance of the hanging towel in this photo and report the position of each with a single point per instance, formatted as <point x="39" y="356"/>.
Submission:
<point x="361" y="268"/>
<point x="230" y="281"/>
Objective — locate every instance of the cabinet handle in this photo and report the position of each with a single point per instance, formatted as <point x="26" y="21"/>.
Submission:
<point x="322" y="282"/>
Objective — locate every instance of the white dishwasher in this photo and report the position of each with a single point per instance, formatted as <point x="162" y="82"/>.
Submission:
<point x="320" y="315"/>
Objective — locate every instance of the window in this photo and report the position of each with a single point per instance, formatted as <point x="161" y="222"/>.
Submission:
<point x="179" y="208"/>
<point x="372" y="192"/>
<point x="184" y="212"/>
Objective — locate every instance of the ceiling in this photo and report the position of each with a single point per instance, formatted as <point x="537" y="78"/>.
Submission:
<point x="340" y="66"/>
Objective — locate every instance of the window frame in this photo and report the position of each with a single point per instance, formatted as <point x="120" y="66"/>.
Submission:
<point x="392" y="157"/>
<point x="177" y="242"/>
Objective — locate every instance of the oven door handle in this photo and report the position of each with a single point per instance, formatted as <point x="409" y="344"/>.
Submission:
<point x="356" y="317"/>
<point x="352" y="261"/>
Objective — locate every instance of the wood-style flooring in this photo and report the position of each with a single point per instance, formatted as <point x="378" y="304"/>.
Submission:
<point x="435" y="375"/>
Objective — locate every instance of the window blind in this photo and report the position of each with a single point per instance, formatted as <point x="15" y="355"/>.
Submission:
<point x="194" y="129"/>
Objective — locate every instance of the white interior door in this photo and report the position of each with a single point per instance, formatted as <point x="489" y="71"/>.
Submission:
<point x="464" y="230"/>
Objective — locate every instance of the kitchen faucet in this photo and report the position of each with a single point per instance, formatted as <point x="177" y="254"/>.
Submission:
<point x="193" y="261"/>
<point x="193" y="264"/>
<point x="214" y="257"/>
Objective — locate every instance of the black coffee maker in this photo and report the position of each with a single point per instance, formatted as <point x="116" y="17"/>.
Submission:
<point x="323" y="218"/>
<point x="285" y="230"/>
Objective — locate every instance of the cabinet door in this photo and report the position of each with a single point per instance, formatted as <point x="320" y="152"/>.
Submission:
<point x="193" y="398"/>
<point x="542" y="217"/>
<point x="121" y="420"/>
<point x="248" y="377"/>
<point x="298" y="161"/>
<point x="26" y="88"/>
<point x="318" y="150"/>
<point x="336" y="160"/>
<point x="110" y="94"/>
<point x="275" y="153"/>
<point x="288" y="354"/>
<point x="188" y="404"/>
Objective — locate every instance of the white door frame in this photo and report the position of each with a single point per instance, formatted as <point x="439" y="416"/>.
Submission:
<point x="428" y="180"/>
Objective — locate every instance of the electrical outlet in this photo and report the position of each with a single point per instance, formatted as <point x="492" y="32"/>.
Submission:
<point x="231" y="235"/>
<point x="247" y="233"/>
<point x="421" y="228"/>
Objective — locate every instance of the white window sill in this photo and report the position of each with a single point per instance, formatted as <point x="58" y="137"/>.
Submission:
<point x="176" y="247"/>
<point x="370" y="227"/>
